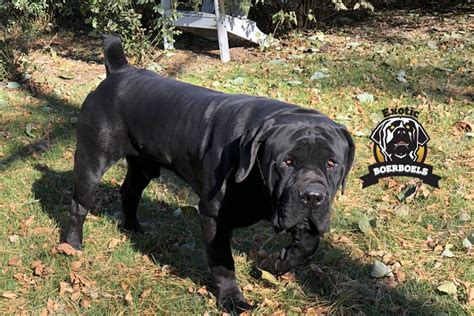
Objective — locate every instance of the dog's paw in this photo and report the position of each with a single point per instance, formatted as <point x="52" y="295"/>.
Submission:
<point x="234" y="302"/>
<point x="132" y="226"/>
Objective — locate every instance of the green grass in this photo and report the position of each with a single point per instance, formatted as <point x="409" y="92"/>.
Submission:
<point x="168" y="259"/>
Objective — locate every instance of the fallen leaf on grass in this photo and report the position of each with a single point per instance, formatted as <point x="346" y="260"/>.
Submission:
<point x="85" y="303"/>
<point x="268" y="302"/>
<point x="248" y="288"/>
<point x="380" y="270"/>
<point x="464" y="217"/>
<point x="267" y="276"/>
<point x="114" y="242"/>
<point x="66" y="249"/>
<point x="76" y="296"/>
<point x="13" y="238"/>
<point x="470" y="296"/>
<point x="25" y="225"/>
<point x="52" y="306"/>
<point x="402" y="211"/>
<point x="76" y="266"/>
<point x="9" y="295"/>
<point x="319" y="75"/>
<point x="14" y="262"/>
<point x="315" y="310"/>
<point x="64" y="287"/>
<point x="145" y="293"/>
<point x="447" y="287"/>
<point x="28" y="129"/>
<point x="203" y="291"/>
<point x="37" y="267"/>
<point x="447" y="252"/>
<point x="129" y="298"/>
<point x="365" y="97"/>
<point x="466" y="243"/>
<point x="364" y="225"/>
<point x="43" y="230"/>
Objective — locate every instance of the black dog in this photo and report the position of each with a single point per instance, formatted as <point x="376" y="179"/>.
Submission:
<point x="248" y="158"/>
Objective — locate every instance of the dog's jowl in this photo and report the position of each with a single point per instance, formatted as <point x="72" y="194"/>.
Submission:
<point x="248" y="158"/>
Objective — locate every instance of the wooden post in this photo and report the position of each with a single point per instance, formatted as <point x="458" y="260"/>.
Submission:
<point x="221" y="31"/>
<point x="167" y="44"/>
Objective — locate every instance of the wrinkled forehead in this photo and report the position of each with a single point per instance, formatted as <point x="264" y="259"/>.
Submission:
<point x="310" y="140"/>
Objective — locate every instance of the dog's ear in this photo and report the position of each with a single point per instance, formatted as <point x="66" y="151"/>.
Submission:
<point x="250" y="142"/>
<point x="422" y="137"/>
<point x="349" y="159"/>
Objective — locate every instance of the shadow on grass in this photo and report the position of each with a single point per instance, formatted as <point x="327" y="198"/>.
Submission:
<point x="175" y="241"/>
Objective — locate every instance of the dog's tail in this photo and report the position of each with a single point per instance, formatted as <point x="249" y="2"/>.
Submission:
<point x="114" y="54"/>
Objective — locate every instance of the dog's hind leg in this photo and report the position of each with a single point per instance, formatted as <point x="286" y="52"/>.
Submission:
<point x="131" y="191"/>
<point x="90" y="164"/>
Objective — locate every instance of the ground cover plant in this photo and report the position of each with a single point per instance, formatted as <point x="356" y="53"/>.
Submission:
<point x="424" y="236"/>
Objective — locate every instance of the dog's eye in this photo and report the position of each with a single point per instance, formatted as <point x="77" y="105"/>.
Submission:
<point x="407" y="126"/>
<point x="331" y="164"/>
<point x="289" y="162"/>
<point x="392" y="127"/>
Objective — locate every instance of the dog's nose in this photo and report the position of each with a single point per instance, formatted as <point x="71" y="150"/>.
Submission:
<point x="311" y="198"/>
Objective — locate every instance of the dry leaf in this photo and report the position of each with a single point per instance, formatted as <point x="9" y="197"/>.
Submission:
<point x="315" y="310"/>
<point x="27" y="222"/>
<point x="43" y="230"/>
<point x="37" y="267"/>
<point x="129" y="298"/>
<point x="203" y="291"/>
<point x="14" y="262"/>
<point x="44" y="312"/>
<point x="267" y="276"/>
<point x="85" y="303"/>
<point x="114" y="242"/>
<point x="52" y="306"/>
<point x="145" y="293"/>
<point x="76" y="296"/>
<point x="146" y="259"/>
<point x="190" y="289"/>
<point x="13" y="238"/>
<point x="76" y="266"/>
<point x="470" y="296"/>
<point x="125" y="286"/>
<point x="267" y="302"/>
<point x="9" y="295"/>
<point x="248" y="288"/>
<point x="295" y="309"/>
<point x="67" y="249"/>
<point x="64" y="287"/>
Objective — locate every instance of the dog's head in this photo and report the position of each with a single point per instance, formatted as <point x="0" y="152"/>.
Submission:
<point x="399" y="138"/>
<point x="303" y="159"/>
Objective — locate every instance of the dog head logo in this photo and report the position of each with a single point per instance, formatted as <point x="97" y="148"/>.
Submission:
<point x="400" y="139"/>
<point x="400" y="148"/>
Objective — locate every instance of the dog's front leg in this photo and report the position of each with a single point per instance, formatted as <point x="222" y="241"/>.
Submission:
<point x="217" y="238"/>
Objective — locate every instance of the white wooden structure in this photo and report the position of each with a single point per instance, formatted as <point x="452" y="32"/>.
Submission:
<point x="241" y="27"/>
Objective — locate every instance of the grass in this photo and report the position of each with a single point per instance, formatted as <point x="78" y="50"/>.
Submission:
<point x="164" y="270"/>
